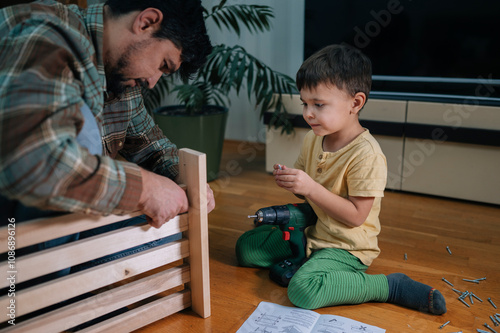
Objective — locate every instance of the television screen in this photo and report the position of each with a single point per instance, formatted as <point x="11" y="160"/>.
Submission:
<point x="421" y="48"/>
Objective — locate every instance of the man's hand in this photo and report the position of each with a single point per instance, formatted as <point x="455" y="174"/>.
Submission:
<point x="161" y="198"/>
<point x="210" y="199"/>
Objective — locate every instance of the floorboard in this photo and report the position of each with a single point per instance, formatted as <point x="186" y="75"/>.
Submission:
<point x="419" y="226"/>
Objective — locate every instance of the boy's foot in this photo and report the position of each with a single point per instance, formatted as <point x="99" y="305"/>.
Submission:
<point x="415" y="295"/>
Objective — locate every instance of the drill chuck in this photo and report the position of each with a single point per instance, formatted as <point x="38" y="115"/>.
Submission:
<point x="272" y="215"/>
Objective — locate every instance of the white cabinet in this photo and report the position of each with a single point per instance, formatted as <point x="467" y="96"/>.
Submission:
<point x="439" y="165"/>
<point x="450" y="150"/>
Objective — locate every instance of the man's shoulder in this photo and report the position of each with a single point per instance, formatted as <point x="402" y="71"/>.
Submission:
<point x="44" y="18"/>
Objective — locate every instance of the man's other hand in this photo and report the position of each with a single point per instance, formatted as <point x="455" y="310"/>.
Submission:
<point x="210" y="199"/>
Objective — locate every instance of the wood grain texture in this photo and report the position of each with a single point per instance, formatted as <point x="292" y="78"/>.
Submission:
<point x="72" y="254"/>
<point x="419" y="226"/>
<point x="193" y="173"/>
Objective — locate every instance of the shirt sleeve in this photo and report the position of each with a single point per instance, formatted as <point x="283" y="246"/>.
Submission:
<point x="146" y="145"/>
<point x="41" y="164"/>
<point x="367" y="177"/>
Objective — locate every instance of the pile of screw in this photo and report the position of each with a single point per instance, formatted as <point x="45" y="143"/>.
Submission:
<point x="463" y="295"/>
<point x="488" y="326"/>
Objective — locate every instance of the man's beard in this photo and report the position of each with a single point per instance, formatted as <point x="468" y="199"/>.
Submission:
<point x="115" y="79"/>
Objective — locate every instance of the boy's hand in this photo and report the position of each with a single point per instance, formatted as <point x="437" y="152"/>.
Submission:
<point x="293" y="180"/>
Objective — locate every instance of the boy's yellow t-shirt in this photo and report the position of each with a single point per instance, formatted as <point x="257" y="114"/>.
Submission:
<point x="358" y="169"/>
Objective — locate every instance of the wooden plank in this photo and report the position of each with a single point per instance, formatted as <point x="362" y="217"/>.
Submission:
<point x="55" y="291"/>
<point x="41" y="230"/>
<point x="71" y="254"/>
<point x="143" y="315"/>
<point x="105" y="302"/>
<point x="192" y="166"/>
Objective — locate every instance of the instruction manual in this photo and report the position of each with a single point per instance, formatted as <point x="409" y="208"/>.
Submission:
<point x="274" y="318"/>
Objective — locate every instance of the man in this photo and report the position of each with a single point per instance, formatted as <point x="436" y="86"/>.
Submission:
<point x="70" y="102"/>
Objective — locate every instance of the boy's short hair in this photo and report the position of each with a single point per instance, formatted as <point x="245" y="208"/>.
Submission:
<point x="342" y="66"/>
<point x="183" y="24"/>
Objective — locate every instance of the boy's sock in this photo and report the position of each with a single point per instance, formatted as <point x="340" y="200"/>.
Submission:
<point x="415" y="295"/>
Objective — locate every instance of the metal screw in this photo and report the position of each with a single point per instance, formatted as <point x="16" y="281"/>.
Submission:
<point x="464" y="294"/>
<point x="448" y="249"/>
<point x="447" y="281"/>
<point x="480" y="279"/>
<point x="440" y="327"/>
<point x="474" y="295"/>
<point x="461" y="300"/>
<point x="468" y="280"/>
<point x="494" y="321"/>
<point x="489" y="327"/>
<point x="406" y="257"/>
<point x="489" y="299"/>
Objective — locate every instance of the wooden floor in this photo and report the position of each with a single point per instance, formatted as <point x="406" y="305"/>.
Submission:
<point x="420" y="227"/>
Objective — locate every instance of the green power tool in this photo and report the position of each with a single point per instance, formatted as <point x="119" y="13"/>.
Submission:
<point x="292" y="220"/>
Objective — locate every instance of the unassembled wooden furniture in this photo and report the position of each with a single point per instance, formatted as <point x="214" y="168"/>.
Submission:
<point x="152" y="284"/>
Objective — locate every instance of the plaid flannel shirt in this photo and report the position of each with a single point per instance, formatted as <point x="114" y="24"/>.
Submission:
<point x="51" y="63"/>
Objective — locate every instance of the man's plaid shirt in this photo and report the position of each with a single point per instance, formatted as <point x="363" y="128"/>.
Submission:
<point x="51" y="63"/>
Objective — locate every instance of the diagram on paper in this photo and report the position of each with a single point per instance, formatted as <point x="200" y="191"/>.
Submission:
<point x="274" y="318"/>
<point x="267" y="320"/>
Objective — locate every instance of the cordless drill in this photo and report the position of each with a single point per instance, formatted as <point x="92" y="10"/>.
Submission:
<point x="292" y="220"/>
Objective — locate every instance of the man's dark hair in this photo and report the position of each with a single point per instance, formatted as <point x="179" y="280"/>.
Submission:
<point x="182" y="23"/>
<point x="342" y="66"/>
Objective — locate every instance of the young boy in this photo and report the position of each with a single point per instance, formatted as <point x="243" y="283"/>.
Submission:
<point x="341" y="172"/>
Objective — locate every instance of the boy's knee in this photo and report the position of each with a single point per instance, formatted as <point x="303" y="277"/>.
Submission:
<point x="300" y="297"/>
<point x="261" y="247"/>
<point x="243" y="251"/>
<point x="303" y="291"/>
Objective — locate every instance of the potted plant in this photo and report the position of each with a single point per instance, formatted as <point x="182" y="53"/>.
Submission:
<point x="204" y="99"/>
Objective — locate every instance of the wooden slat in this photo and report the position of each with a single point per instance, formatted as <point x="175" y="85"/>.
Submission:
<point x="71" y="254"/>
<point x="143" y="315"/>
<point x="41" y="230"/>
<point x="192" y="166"/>
<point x="193" y="175"/>
<point x="105" y="302"/>
<point x="55" y="291"/>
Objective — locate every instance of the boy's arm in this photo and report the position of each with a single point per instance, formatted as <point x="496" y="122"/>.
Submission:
<point x="351" y="211"/>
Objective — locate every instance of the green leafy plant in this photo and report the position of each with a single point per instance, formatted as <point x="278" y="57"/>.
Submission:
<point x="231" y="68"/>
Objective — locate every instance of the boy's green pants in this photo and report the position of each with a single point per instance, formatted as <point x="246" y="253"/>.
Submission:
<point x="330" y="276"/>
